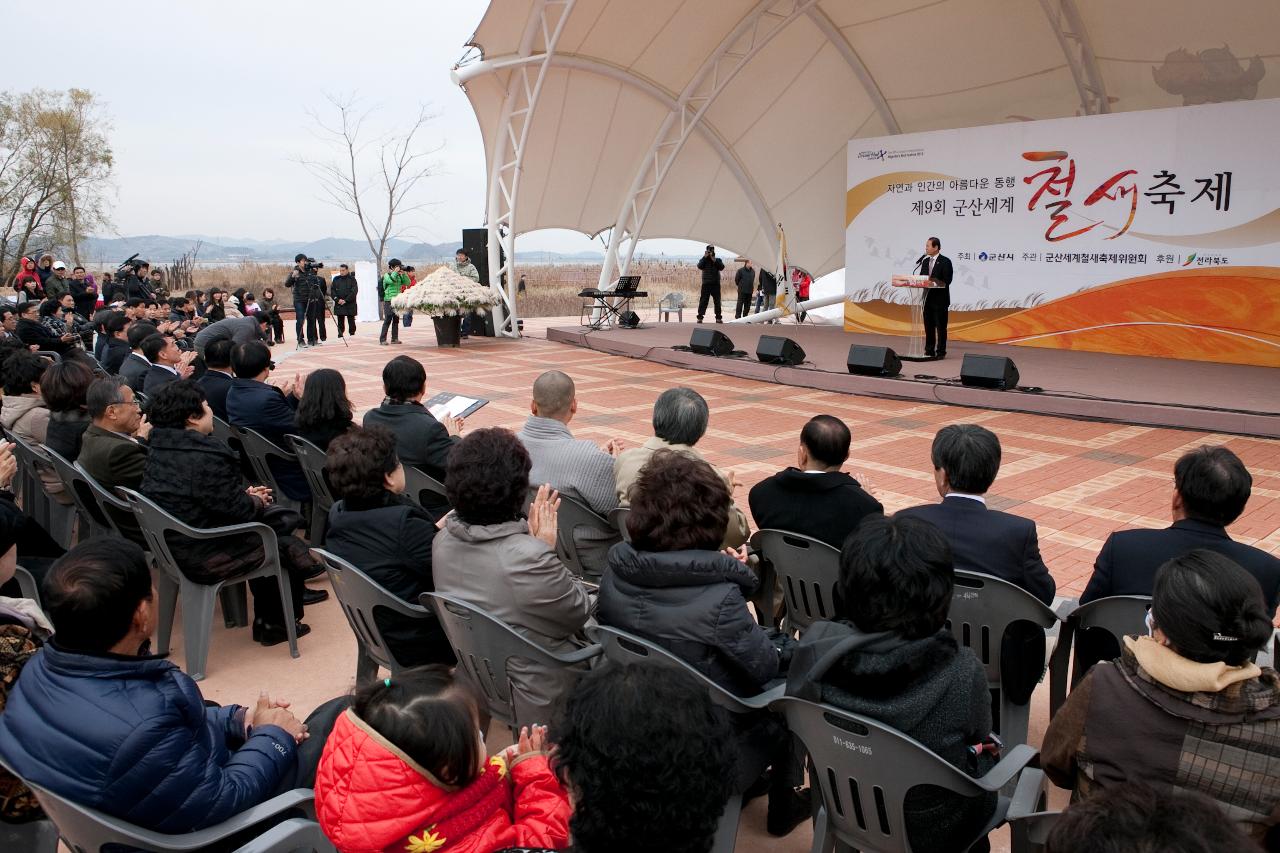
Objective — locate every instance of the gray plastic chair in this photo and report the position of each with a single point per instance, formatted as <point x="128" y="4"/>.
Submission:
<point x="623" y="649"/>
<point x="1118" y="615"/>
<point x="807" y="570"/>
<point x="27" y="584"/>
<point x="111" y="508"/>
<point x="198" y="598"/>
<point x="618" y="518"/>
<point x="260" y="451"/>
<point x="58" y="519"/>
<point x="49" y="354"/>
<point x="86" y="830"/>
<point x="1029" y="822"/>
<point x="865" y="770"/>
<point x="358" y="595"/>
<point x="484" y="644"/>
<point x="672" y="303"/>
<point x="312" y="460"/>
<point x="37" y="836"/>
<point x="573" y="515"/>
<point x="417" y="482"/>
<point x="92" y="521"/>
<point x="291" y="835"/>
<point x="232" y="437"/>
<point x="983" y="608"/>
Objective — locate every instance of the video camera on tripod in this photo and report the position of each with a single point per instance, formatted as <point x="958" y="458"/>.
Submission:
<point x="131" y="266"/>
<point x="310" y="265"/>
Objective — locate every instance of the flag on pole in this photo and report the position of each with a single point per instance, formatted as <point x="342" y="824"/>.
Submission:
<point x="786" y="298"/>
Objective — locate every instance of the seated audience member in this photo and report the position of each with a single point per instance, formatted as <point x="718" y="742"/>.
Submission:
<point x="421" y="440"/>
<point x="63" y="387"/>
<point x="608" y="756"/>
<point x="888" y="655"/>
<point x="216" y="308"/>
<point x="23" y="630"/>
<point x="238" y="330"/>
<point x="31" y="331"/>
<point x="815" y="498"/>
<point x="378" y="530"/>
<point x="36" y="550"/>
<point x="111" y="451"/>
<point x="680" y="418"/>
<point x="197" y="479"/>
<point x="9" y="323"/>
<point x="671" y="584"/>
<point x="267" y="308"/>
<point x="489" y="555"/>
<point x="1137" y="817"/>
<point x="1211" y="487"/>
<point x="23" y="411"/>
<point x="267" y="410"/>
<point x="115" y="347"/>
<point x="418" y="734"/>
<point x="966" y="459"/>
<point x="168" y="364"/>
<point x="96" y="718"/>
<point x="135" y="367"/>
<point x="216" y="381"/>
<point x="575" y="468"/>
<point x="324" y="413"/>
<point x="60" y="318"/>
<point x="1184" y="707"/>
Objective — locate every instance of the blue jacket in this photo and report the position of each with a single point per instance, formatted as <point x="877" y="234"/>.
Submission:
<point x="266" y="410"/>
<point x="131" y="736"/>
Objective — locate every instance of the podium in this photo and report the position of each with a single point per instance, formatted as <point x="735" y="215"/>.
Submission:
<point x="921" y="284"/>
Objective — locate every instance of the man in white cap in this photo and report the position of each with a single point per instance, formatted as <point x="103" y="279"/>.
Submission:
<point x="56" y="284"/>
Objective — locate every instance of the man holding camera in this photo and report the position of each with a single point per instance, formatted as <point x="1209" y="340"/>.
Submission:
<point x="711" y="267"/>
<point x="308" y="299"/>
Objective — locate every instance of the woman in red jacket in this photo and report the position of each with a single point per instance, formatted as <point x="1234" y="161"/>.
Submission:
<point x="26" y="284"/>
<point x="405" y="769"/>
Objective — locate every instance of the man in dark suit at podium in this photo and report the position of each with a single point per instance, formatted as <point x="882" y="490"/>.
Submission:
<point x="937" y="299"/>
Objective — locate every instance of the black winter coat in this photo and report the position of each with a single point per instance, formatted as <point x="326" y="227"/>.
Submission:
<point x="421" y="440"/>
<point x="694" y="604"/>
<point x="197" y="479"/>
<point x="344" y="287"/>
<point x="305" y="286"/>
<point x="389" y="538"/>
<point x="930" y="690"/>
<point x="711" y="269"/>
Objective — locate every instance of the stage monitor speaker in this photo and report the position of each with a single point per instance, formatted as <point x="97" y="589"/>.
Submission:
<point x="710" y="342"/>
<point x="989" y="371"/>
<point x="874" y="361"/>
<point x="629" y="320"/>
<point x="775" y="350"/>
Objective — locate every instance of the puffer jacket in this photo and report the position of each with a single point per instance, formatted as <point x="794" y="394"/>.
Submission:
<point x="26" y="416"/>
<point x="131" y="736"/>
<point x="930" y="690"/>
<point x="371" y="796"/>
<point x="711" y="269"/>
<point x="694" y="604"/>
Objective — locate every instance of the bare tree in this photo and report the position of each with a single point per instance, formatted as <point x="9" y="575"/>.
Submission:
<point x="179" y="275"/>
<point x="375" y="178"/>
<point x="55" y="171"/>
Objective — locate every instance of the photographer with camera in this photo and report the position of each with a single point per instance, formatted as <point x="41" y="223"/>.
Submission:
<point x="711" y="267"/>
<point x="308" y="299"/>
<point x="132" y="279"/>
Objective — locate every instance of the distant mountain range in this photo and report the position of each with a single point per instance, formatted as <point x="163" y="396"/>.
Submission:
<point x="159" y="249"/>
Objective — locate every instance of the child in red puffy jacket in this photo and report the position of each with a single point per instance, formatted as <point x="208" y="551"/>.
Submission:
<point x="405" y="769"/>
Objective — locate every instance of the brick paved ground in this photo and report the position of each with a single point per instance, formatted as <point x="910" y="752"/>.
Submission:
<point x="1079" y="480"/>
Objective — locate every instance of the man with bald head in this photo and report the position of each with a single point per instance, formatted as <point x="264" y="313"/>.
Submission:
<point x="576" y="468"/>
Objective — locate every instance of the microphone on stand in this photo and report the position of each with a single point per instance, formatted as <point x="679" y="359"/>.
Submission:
<point x="919" y="261"/>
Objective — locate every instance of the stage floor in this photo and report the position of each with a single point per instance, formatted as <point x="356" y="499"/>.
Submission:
<point x="1197" y="395"/>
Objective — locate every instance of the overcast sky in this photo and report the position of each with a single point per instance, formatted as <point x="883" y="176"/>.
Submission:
<point x="208" y="103"/>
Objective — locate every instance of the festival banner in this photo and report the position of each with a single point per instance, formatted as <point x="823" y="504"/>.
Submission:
<point x="1145" y="233"/>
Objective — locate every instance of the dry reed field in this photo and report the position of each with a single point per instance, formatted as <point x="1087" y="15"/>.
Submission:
<point x="551" y="289"/>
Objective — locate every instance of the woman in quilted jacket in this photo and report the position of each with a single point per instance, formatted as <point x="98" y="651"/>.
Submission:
<point x="405" y="769"/>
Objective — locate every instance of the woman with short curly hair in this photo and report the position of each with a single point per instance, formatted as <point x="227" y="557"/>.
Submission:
<point x="492" y="556"/>
<point x="671" y="584"/>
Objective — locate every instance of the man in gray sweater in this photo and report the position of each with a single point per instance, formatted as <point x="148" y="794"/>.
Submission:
<point x="576" y="468"/>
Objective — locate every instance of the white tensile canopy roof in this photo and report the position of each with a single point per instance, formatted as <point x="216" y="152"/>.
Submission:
<point x="720" y="118"/>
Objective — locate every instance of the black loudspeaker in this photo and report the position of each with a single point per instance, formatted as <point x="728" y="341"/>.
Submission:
<point x="629" y="320"/>
<point x="710" y="342"/>
<point x="476" y="242"/>
<point x="989" y="371"/>
<point x="874" y="361"/>
<point x="775" y="350"/>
